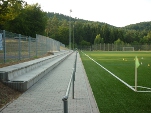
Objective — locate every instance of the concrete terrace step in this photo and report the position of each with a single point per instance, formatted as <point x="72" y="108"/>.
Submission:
<point x="9" y="72"/>
<point x="29" y="73"/>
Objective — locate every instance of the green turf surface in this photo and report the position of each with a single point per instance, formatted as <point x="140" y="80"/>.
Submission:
<point x="111" y="95"/>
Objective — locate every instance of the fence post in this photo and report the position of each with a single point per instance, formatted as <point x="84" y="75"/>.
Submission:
<point x="46" y="44"/>
<point x="100" y="46"/>
<point x="29" y="44"/>
<point x="19" y="47"/>
<point x="116" y="46"/>
<point x="49" y="44"/>
<point x="4" y="45"/>
<point x="36" y="45"/>
<point x="41" y="46"/>
<point x="52" y="45"/>
<point x="65" y="105"/>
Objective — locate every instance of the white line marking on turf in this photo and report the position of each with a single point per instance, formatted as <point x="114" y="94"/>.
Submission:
<point x="110" y="73"/>
<point x="143" y="87"/>
<point x="149" y="89"/>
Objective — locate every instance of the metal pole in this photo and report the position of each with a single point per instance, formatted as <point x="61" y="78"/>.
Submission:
<point x="52" y="44"/>
<point x="73" y="37"/>
<point x="135" y="77"/>
<point x="36" y="45"/>
<point x="49" y="45"/>
<point x="65" y="105"/>
<point x="75" y="61"/>
<point x="116" y="46"/>
<point x="73" y="79"/>
<point x="4" y="45"/>
<point x="70" y="30"/>
<point x="46" y="45"/>
<point x="19" y="47"/>
<point x="41" y="46"/>
<point x="75" y="66"/>
<point x="100" y="46"/>
<point x="29" y="45"/>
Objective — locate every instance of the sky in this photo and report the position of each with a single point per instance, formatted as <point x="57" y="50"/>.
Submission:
<point x="118" y="13"/>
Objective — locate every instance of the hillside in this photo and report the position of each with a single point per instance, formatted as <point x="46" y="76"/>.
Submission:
<point x="142" y="26"/>
<point x="61" y="17"/>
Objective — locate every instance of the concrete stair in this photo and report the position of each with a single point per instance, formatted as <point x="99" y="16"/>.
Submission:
<point x="22" y="76"/>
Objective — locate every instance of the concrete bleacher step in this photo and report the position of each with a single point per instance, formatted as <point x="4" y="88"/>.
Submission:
<point x="22" y="76"/>
<point x="8" y="73"/>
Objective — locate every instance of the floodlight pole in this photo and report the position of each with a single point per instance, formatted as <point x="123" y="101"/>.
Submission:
<point x="73" y="37"/>
<point x="70" y="29"/>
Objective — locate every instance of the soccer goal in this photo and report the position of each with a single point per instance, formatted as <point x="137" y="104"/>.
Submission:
<point x="128" y="48"/>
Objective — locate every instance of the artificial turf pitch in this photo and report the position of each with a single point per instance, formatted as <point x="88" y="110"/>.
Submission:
<point x="111" y="95"/>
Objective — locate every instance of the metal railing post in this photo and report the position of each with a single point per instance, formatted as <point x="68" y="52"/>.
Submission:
<point x="74" y="74"/>
<point x="65" y="105"/>
<point x="73" y="84"/>
<point x="75" y="62"/>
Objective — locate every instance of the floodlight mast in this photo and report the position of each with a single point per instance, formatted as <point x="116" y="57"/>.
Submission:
<point x="70" y="29"/>
<point x="73" y="37"/>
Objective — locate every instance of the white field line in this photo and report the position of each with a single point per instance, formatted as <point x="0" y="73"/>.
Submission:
<point x="144" y="91"/>
<point x="143" y="88"/>
<point x="111" y="73"/>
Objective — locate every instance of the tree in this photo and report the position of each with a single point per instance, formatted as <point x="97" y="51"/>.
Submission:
<point x="63" y="34"/>
<point x="84" y="43"/>
<point x="146" y="39"/>
<point x="118" y="42"/>
<point x="98" y="39"/>
<point x="31" y="21"/>
<point x="54" y="27"/>
<point x="10" y="9"/>
<point x="106" y="33"/>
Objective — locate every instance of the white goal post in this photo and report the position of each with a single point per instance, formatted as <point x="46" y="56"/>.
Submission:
<point x="128" y="48"/>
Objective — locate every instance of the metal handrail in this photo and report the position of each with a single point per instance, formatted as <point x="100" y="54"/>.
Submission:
<point x="69" y="86"/>
<point x="72" y="79"/>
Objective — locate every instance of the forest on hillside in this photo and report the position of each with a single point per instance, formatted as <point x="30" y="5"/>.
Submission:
<point x="19" y="17"/>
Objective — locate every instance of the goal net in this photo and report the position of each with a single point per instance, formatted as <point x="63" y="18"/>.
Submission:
<point x="128" y="48"/>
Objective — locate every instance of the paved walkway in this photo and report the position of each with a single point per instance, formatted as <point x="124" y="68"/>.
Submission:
<point x="46" y="95"/>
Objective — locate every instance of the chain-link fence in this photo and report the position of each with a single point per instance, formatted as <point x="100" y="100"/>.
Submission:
<point x="116" y="47"/>
<point x="14" y="47"/>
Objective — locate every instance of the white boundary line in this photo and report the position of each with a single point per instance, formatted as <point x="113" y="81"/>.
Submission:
<point x="110" y="73"/>
<point x="144" y="88"/>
